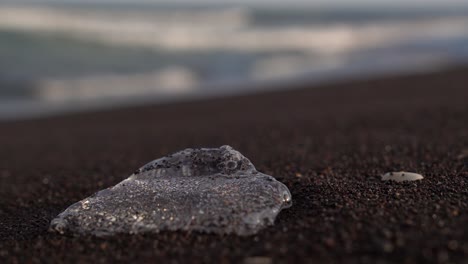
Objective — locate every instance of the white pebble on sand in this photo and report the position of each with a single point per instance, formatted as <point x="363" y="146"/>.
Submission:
<point x="401" y="176"/>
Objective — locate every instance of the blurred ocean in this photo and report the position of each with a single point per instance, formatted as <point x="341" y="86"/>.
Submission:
<point x="57" y="57"/>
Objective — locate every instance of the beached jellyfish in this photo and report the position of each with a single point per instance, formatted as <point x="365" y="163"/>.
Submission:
<point x="213" y="190"/>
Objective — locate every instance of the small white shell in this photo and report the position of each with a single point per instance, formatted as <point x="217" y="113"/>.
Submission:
<point x="401" y="176"/>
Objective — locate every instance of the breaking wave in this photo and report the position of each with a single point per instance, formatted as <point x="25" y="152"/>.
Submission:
<point x="169" y="81"/>
<point x="229" y="29"/>
<point x="158" y="54"/>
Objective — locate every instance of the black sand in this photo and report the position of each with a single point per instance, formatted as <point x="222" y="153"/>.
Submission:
<point x="328" y="144"/>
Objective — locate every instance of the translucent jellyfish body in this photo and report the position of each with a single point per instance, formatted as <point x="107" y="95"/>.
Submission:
<point x="213" y="190"/>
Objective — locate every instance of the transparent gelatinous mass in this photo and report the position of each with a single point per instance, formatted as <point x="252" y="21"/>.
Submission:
<point x="214" y="190"/>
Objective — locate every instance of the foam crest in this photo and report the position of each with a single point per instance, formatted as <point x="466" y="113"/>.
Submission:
<point x="169" y="81"/>
<point x="229" y="29"/>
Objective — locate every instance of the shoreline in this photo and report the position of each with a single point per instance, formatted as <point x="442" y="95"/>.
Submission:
<point x="35" y="108"/>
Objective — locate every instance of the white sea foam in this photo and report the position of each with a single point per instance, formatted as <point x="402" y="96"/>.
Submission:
<point x="169" y="81"/>
<point x="225" y="29"/>
<point x="289" y="66"/>
<point x="186" y="52"/>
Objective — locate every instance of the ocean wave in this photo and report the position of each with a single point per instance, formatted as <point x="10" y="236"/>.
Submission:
<point x="290" y="66"/>
<point x="169" y="81"/>
<point x="229" y="29"/>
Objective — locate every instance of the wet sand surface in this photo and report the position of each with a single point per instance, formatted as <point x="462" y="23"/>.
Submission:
<point x="328" y="144"/>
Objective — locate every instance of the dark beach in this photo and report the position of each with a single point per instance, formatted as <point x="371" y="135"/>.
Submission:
<point x="328" y="144"/>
